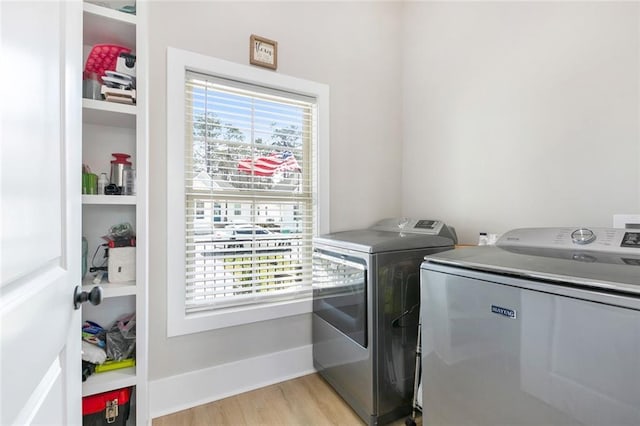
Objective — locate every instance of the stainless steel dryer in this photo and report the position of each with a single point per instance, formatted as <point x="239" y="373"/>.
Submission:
<point x="366" y="296"/>
<point x="543" y="329"/>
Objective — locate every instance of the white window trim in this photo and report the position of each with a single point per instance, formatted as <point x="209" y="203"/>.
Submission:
<point x="178" y="61"/>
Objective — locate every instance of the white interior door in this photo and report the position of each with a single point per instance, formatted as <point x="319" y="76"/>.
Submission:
<point x="40" y="251"/>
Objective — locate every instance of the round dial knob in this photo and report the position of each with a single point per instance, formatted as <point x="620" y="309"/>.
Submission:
<point x="583" y="236"/>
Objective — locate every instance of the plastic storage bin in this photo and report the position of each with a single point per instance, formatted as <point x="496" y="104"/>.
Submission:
<point x="108" y="408"/>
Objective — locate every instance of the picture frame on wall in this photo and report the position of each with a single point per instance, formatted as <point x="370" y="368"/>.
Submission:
<point x="263" y="52"/>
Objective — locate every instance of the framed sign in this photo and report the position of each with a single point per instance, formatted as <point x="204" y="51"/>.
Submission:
<point x="263" y="52"/>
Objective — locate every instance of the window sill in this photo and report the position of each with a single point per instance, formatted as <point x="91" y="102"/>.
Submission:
<point x="211" y="320"/>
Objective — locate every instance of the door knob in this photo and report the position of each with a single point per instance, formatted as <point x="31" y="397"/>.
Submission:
<point x="94" y="296"/>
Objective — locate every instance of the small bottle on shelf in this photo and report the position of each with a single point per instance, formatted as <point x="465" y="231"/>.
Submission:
<point x="102" y="183"/>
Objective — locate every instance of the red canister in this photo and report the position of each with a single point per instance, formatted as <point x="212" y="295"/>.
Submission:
<point x="117" y="166"/>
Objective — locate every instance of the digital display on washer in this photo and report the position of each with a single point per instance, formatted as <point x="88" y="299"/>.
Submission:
<point x="425" y="224"/>
<point x="631" y="239"/>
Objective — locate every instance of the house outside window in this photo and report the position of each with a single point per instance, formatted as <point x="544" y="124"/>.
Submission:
<point x="252" y="159"/>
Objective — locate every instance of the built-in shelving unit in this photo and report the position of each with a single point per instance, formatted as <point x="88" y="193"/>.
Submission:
<point x="107" y="128"/>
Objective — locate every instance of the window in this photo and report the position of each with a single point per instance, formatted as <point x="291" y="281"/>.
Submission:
<point x="251" y="146"/>
<point x="217" y="212"/>
<point x="245" y="196"/>
<point x="200" y="210"/>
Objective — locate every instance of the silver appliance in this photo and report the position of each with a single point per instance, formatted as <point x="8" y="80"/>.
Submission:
<point x="542" y="329"/>
<point x="366" y="296"/>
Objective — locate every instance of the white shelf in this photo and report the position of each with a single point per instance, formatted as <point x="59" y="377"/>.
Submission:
<point x="109" y="113"/>
<point x="110" y="289"/>
<point x="110" y="380"/>
<point x="108" y="26"/>
<point x="121" y="200"/>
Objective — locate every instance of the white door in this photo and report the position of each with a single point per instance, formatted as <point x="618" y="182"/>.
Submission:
<point x="40" y="181"/>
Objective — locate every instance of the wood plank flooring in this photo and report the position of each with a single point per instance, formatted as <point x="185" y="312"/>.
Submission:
<point x="307" y="400"/>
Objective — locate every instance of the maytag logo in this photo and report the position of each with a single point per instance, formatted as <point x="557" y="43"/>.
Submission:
<point x="503" y="311"/>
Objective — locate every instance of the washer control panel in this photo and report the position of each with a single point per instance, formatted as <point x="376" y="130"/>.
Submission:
<point x="583" y="236"/>
<point x="609" y="240"/>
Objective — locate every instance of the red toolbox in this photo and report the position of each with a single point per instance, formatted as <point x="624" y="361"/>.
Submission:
<point x="108" y="408"/>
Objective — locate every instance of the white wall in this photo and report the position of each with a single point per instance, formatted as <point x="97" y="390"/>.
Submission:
<point x="486" y="115"/>
<point x="352" y="47"/>
<point x="520" y="113"/>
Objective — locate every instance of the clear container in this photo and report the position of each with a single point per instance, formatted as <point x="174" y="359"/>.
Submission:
<point x="91" y="86"/>
<point x="129" y="182"/>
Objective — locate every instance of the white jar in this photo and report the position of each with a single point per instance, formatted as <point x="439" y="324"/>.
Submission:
<point x="102" y="183"/>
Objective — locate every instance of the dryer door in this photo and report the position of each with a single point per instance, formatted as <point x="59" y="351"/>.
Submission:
<point x="340" y="293"/>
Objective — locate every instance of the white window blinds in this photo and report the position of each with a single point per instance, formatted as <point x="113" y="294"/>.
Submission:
<point x="249" y="193"/>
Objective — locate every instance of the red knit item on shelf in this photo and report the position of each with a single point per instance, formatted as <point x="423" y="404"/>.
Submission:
<point x="103" y="57"/>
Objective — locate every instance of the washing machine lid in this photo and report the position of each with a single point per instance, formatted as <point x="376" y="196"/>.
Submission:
<point x="602" y="258"/>
<point x="392" y="235"/>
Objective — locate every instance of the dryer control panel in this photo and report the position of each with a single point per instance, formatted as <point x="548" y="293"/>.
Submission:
<point x="608" y="240"/>
<point x="414" y="226"/>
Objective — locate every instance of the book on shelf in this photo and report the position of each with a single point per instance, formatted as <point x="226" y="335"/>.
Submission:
<point x="123" y="96"/>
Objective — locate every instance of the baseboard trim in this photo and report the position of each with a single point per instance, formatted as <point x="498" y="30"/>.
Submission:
<point x="180" y="392"/>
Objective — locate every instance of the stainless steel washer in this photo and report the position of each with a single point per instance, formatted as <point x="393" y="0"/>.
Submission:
<point x="542" y="329"/>
<point x="366" y="296"/>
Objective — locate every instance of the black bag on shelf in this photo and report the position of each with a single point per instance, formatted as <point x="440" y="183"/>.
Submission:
<point x="121" y="338"/>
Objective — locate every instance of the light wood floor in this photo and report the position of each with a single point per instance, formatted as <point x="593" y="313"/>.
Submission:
<point x="307" y="400"/>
